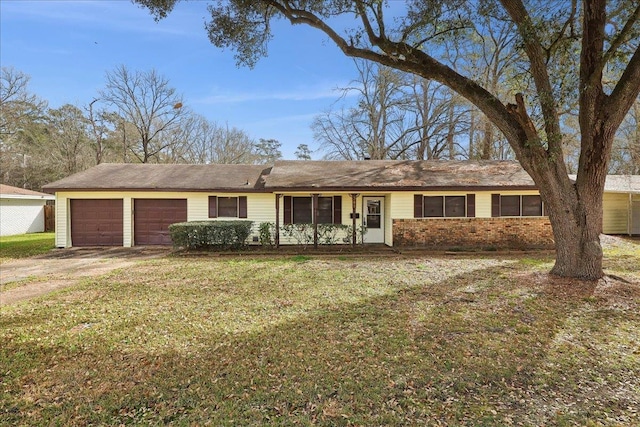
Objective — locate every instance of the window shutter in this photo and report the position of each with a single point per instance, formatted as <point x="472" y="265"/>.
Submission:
<point x="417" y="206"/>
<point x="242" y="207"/>
<point x="213" y="207"/>
<point x="337" y="209"/>
<point x="471" y="205"/>
<point x="287" y="209"/>
<point x="495" y="205"/>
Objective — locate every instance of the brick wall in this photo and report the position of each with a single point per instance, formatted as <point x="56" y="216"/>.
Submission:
<point x="471" y="233"/>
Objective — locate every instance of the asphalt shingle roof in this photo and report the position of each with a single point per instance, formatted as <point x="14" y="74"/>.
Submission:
<point x="393" y="174"/>
<point x="299" y="175"/>
<point x="623" y="184"/>
<point x="165" y="177"/>
<point x="9" y="190"/>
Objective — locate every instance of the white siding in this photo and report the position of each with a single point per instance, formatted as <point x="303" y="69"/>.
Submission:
<point x="198" y="207"/>
<point x="20" y="216"/>
<point x="260" y="207"/>
<point x="635" y="215"/>
<point x="615" y="213"/>
<point x="402" y="205"/>
<point x="127" y="222"/>
<point x="483" y="204"/>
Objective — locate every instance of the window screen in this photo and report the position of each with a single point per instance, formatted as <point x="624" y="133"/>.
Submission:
<point x="228" y="207"/>
<point x="509" y="205"/>
<point x="302" y="210"/>
<point x="433" y="206"/>
<point x="531" y="206"/>
<point x="454" y="206"/>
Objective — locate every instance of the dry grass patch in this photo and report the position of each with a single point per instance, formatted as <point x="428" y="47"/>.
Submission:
<point x="388" y="341"/>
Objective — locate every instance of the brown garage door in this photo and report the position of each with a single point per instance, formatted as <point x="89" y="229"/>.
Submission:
<point x="152" y="217"/>
<point x="96" y="222"/>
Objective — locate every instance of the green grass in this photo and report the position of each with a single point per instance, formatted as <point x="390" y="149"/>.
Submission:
<point x="25" y="245"/>
<point x="470" y="340"/>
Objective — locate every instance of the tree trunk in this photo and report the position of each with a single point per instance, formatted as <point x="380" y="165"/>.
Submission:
<point x="487" y="140"/>
<point x="575" y="212"/>
<point x="577" y="238"/>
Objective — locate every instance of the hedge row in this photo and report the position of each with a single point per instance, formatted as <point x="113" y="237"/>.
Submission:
<point x="210" y="234"/>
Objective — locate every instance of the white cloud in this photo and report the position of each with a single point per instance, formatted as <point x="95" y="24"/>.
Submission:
<point x="298" y="94"/>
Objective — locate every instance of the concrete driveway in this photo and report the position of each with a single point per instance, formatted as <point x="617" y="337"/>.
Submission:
<point x="60" y="268"/>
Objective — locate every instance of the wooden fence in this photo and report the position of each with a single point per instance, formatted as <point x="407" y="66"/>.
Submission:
<point x="49" y="218"/>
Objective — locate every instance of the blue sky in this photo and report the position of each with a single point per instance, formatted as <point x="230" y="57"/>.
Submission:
<point x="67" y="46"/>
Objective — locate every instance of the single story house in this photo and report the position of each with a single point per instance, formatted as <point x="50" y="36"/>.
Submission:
<point x="398" y="203"/>
<point x="21" y="210"/>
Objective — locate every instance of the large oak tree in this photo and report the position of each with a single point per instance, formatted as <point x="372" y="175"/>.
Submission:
<point x="566" y="47"/>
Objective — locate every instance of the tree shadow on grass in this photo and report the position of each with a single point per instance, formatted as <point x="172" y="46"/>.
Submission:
<point x="472" y="349"/>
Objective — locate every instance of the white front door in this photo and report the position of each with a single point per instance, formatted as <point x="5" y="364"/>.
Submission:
<point x="373" y="209"/>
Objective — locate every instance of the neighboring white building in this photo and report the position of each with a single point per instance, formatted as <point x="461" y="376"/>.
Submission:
<point x="21" y="210"/>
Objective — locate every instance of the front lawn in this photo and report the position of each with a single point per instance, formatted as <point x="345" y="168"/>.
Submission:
<point x="25" y="245"/>
<point x="455" y="340"/>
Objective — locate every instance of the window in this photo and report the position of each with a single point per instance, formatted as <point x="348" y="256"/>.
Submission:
<point x="516" y="205"/>
<point x="444" y="206"/>
<point x="227" y="207"/>
<point x="509" y="205"/>
<point x="433" y="206"/>
<point x="454" y="206"/>
<point x="302" y="210"/>
<point x="325" y="210"/>
<point x="531" y="206"/>
<point x="299" y="210"/>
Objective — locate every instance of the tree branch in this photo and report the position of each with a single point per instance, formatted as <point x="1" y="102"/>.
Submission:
<point x="622" y="35"/>
<point x="626" y="91"/>
<point x="537" y="58"/>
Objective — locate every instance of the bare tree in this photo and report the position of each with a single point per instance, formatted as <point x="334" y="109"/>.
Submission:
<point x="146" y="101"/>
<point x="201" y="141"/>
<point x="17" y="105"/>
<point x="68" y="139"/>
<point x="21" y="123"/>
<point x="625" y="158"/>
<point x="375" y="128"/>
<point x="102" y="125"/>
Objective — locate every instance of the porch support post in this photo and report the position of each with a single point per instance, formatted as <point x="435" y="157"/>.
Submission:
<point x="354" y="196"/>
<point x="315" y="220"/>
<point x="277" y="231"/>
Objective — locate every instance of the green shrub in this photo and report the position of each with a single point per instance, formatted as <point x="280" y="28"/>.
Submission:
<point x="210" y="234"/>
<point x="301" y="233"/>
<point x="266" y="230"/>
<point x="360" y="232"/>
<point x="328" y="233"/>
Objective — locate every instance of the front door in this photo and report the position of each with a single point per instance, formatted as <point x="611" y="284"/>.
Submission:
<point x="373" y="208"/>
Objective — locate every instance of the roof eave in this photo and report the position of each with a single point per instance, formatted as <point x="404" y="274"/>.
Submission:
<point x="351" y="189"/>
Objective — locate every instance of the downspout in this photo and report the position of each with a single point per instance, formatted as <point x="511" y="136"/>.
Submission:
<point x="277" y="236"/>
<point x="630" y="215"/>
<point x="315" y="220"/>
<point x="353" y="219"/>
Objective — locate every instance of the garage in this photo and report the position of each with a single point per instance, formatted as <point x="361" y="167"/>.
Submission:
<point x="152" y="217"/>
<point x="96" y="222"/>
